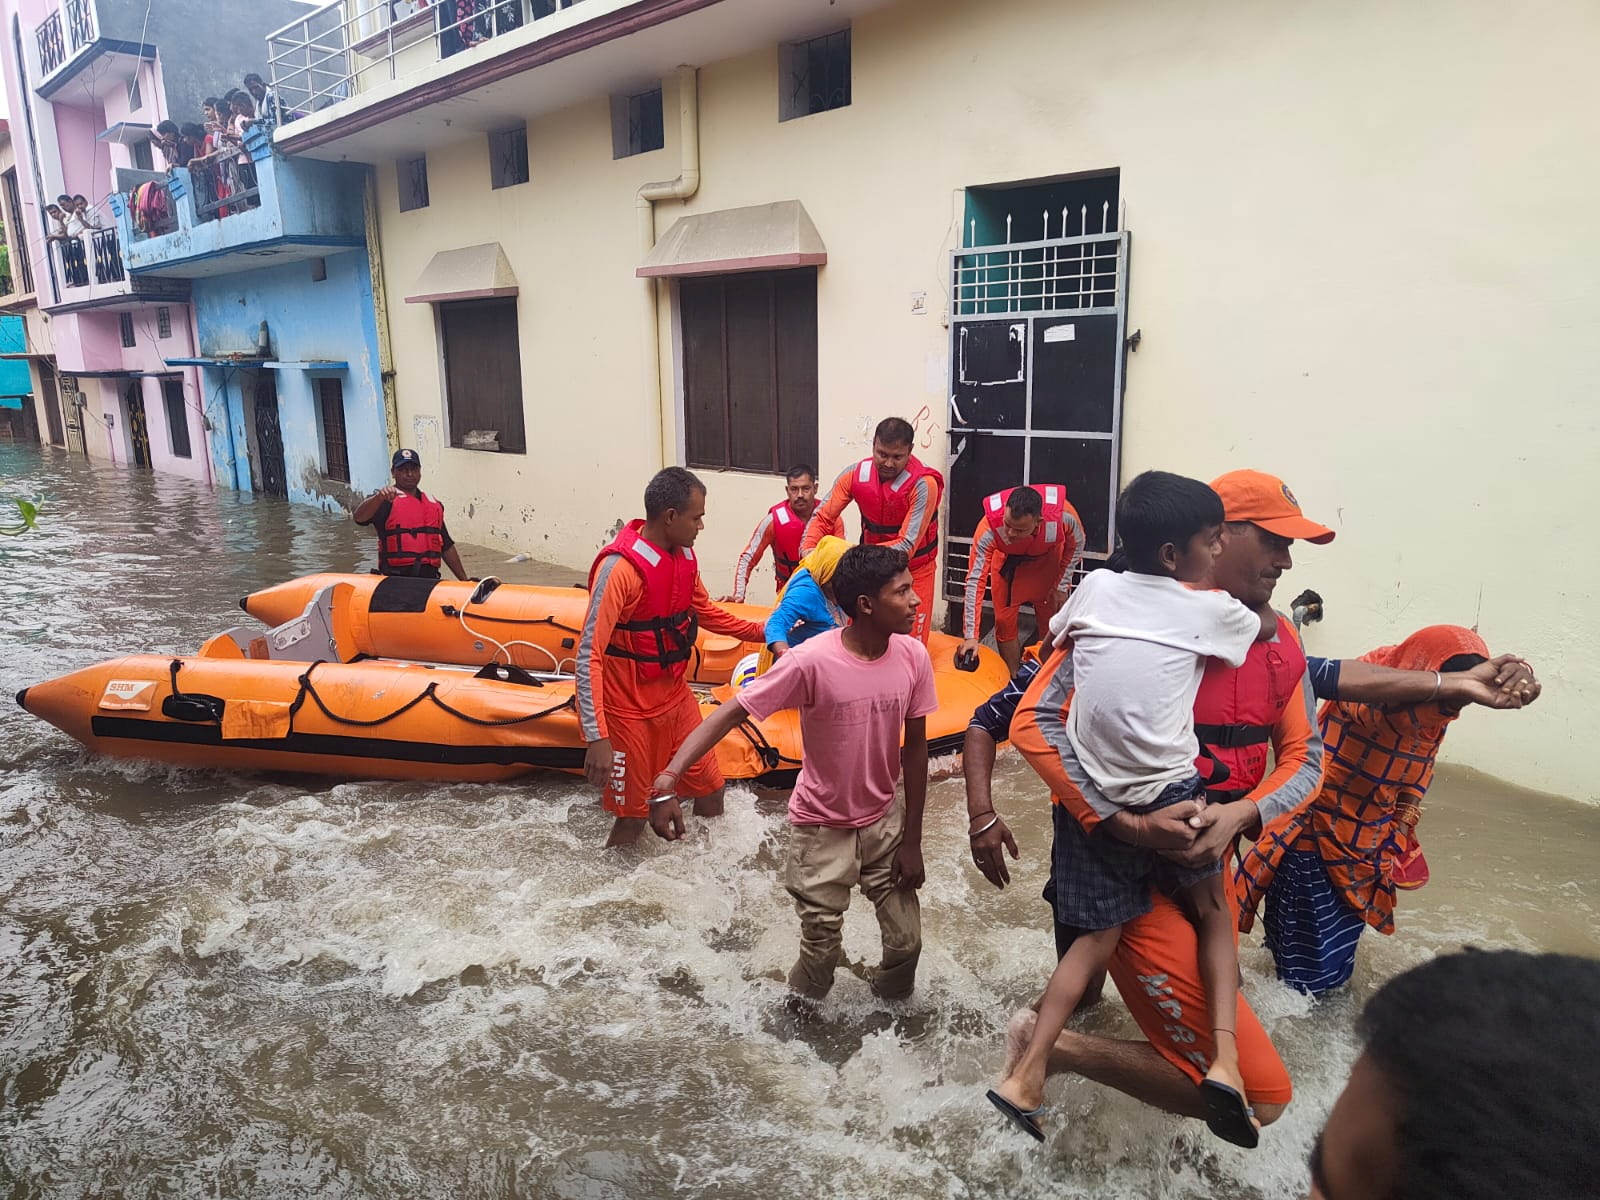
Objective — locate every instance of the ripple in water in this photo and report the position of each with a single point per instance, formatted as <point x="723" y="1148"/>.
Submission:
<point x="222" y="985"/>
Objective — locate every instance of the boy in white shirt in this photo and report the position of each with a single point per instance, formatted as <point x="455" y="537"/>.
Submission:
<point x="1139" y="642"/>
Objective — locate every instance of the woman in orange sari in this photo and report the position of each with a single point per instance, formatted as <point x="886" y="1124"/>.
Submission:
<point x="1329" y="870"/>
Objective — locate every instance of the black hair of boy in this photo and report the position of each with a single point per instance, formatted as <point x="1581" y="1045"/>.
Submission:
<point x="865" y="571"/>
<point x="1492" y="1058"/>
<point x="1025" y="502"/>
<point x="1159" y="507"/>
<point x="894" y="431"/>
<point x="671" y="487"/>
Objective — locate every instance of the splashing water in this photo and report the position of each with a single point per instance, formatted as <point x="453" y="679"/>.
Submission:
<point x="219" y="985"/>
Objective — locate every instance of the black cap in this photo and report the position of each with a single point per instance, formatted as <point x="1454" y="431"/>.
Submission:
<point x="404" y="458"/>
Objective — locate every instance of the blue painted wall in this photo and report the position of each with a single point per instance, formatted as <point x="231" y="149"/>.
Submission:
<point x="306" y="321"/>
<point x="14" y="379"/>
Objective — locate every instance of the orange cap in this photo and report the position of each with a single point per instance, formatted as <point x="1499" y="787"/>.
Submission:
<point x="1266" y="500"/>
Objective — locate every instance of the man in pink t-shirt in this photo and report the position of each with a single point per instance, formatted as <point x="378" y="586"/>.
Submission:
<point x="857" y="689"/>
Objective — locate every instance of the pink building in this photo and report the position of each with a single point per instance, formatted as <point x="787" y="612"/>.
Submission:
<point x="87" y="82"/>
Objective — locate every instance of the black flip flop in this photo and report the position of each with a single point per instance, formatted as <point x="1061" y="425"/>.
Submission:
<point x="1025" y="1119"/>
<point x="1228" y="1116"/>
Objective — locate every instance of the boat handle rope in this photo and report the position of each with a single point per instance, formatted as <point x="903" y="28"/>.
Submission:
<point x="428" y="693"/>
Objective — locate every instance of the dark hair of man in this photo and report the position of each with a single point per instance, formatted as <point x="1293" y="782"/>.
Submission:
<point x="1493" y="1057"/>
<point x="865" y="571"/>
<point x="800" y="471"/>
<point x="254" y="78"/>
<point x="1159" y="507"/>
<point x="193" y="131"/>
<point x="82" y="197"/>
<point x="671" y="487"/>
<point x="211" y="102"/>
<point x="63" y="199"/>
<point x="892" y="431"/>
<point x="168" y="127"/>
<point x="1025" y="502"/>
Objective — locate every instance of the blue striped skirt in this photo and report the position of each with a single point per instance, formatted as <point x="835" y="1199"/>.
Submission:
<point x="1311" y="931"/>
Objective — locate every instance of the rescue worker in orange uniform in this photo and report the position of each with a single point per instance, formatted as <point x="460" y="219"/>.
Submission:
<point x="1156" y="965"/>
<point x="1328" y="871"/>
<point x="412" y="537"/>
<point x="782" y="528"/>
<point x="1028" y="544"/>
<point x="898" y="498"/>
<point x="646" y="604"/>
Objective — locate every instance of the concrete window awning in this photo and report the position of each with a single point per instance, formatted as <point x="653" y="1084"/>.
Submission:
<point x="763" y="237"/>
<point x="470" y="273"/>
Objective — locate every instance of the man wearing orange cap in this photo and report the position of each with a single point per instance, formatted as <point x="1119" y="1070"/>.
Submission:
<point x="1238" y="714"/>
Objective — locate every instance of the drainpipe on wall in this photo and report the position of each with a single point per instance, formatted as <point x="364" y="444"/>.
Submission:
<point x="380" y="311"/>
<point x="681" y="188"/>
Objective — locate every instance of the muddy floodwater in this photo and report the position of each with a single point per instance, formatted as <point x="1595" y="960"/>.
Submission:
<point x="241" y="986"/>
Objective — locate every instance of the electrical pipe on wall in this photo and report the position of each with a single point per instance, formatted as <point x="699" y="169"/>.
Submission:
<point x="682" y="188"/>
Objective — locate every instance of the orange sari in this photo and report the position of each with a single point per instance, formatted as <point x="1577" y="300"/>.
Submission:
<point x="1378" y="763"/>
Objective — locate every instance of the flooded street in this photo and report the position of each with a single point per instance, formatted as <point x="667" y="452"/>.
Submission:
<point x="240" y="986"/>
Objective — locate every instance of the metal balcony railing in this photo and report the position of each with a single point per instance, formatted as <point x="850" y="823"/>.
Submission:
<point x="52" y="43"/>
<point x="332" y="53"/>
<point x="224" y="185"/>
<point x="105" y="247"/>
<point x="80" y="23"/>
<point x="71" y="261"/>
<point x="63" y="33"/>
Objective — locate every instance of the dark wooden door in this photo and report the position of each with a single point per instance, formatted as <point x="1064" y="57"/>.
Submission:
<point x="269" y="437"/>
<point x="138" y="427"/>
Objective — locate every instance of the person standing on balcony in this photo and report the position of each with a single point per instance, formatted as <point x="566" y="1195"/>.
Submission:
<point x="85" y="214"/>
<point x="266" y="100"/>
<point x="412" y="537"/>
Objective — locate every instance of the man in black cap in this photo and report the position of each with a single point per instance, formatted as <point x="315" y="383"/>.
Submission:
<point x="412" y="538"/>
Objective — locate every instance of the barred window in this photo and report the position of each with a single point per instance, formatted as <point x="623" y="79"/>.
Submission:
<point x="814" y="75"/>
<point x="636" y="124"/>
<point x="335" y="451"/>
<point x="413" y="178"/>
<point x="127" y="329"/>
<point x="164" y="322"/>
<point x="508" y="157"/>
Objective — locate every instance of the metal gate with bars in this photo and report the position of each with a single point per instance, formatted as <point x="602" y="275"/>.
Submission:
<point x="1037" y="347"/>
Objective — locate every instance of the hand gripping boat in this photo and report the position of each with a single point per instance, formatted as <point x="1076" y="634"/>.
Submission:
<point x="300" y="697"/>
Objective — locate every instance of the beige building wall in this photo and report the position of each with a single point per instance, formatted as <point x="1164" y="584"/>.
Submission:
<point x="1363" y="259"/>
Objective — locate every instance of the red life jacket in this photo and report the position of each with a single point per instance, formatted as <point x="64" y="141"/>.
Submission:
<point x="413" y="534"/>
<point x="660" y="634"/>
<point x="1236" y="710"/>
<point x="787" y="530"/>
<point x="884" y="506"/>
<point x="1058" y="523"/>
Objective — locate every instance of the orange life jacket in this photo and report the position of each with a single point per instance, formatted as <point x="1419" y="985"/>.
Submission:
<point x="1058" y="524"/>
<point x="413" y="534"/>
<point x="884" y="506"/>
<point x="1236" y="710"/>
<point x="659" y="635"/>
<point x="1378" y="763"/>
<point x="787" y="530"/>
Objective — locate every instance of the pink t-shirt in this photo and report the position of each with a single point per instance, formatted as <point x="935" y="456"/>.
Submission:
<point x="851" y="716"/>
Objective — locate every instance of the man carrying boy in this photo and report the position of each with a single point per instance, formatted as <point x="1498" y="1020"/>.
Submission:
<point x="1140" y="640"/>
<point x="646" y="604"/>
<point x="858" y="690"/>
<point x="898" y="498"/>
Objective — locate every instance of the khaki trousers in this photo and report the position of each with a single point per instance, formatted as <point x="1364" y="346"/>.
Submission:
<point x="823" y="864"/>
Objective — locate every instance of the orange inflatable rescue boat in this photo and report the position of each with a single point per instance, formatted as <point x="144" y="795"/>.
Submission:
<point x="308" y="696"/>
<point x="443" y="621"/>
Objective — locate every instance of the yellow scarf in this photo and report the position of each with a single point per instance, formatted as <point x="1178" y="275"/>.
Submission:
<point x="820" y="564"/>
